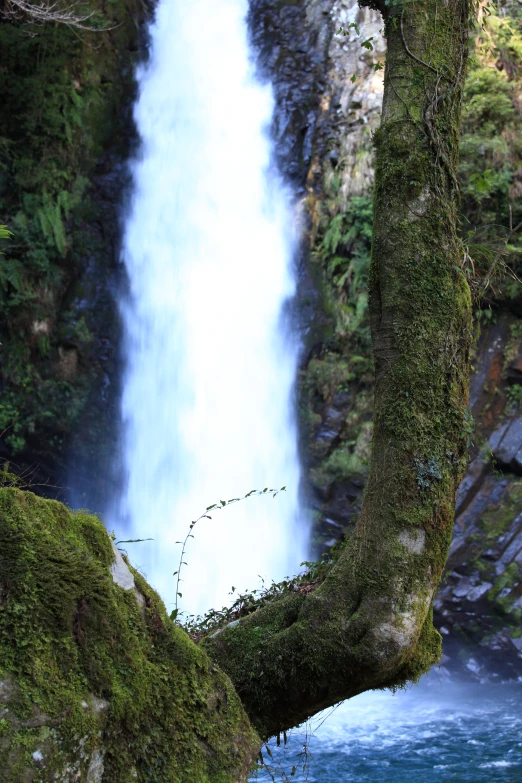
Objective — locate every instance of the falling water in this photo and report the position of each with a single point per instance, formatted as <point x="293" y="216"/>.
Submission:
<point x="210" y="363"/>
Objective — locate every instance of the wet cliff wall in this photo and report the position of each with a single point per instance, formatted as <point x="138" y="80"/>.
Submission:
<point x="65" y="135"/>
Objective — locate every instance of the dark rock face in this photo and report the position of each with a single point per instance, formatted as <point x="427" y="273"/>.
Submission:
<point x="479" y="606"/>
<point x="290" y="41"/>
<point x="93" y="446"/>
<point x="506" y="444"/>
<point x="68" y="105"/>
<point x="322" y="128"/>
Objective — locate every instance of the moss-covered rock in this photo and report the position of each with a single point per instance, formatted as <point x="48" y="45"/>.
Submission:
<point x="96" y="683"/>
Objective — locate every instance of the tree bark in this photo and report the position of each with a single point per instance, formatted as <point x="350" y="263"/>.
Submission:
<point x="369" y="624"/>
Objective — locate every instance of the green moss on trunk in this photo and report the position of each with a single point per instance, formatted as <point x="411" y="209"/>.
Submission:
<point x="369" y="624"/>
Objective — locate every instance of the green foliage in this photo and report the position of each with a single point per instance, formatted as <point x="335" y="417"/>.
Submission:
<point x="488" y="98"/>
<point x="61" y="91"/>
<point x="500" y="591"/>
<point x="51" y="217"/>
<point x="366" y="44"/>
<point x="491" y="153"/>
<point x="344" y="252"/>
<point x="514" y="394"/>
<point x="346" y="30"/>
<point x="7" y="477"/>
<point x="343" y="366"/>
<point x="482" y="183"/>
<point x="4" y="233"/>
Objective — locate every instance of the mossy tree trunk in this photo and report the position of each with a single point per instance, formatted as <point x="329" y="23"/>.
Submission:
<point x="369" y="623"/>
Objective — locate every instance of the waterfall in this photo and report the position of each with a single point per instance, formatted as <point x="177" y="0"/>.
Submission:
<point x="210" y="359"/>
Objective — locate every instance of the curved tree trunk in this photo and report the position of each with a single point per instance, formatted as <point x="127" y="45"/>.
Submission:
<point x="368" y="625"/>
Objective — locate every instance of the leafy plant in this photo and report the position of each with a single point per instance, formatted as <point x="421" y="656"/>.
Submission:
<point x="482" y="183"/>
<point x="214" y="507"/>
<point x="345" y="252"/>
<point x="245" y="603"/>
<point x="61" y="104"/>
<point x="514" y="394"/>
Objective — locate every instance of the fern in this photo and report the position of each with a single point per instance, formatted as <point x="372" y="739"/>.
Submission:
<point x="4" y="234"/>
<point x="51" y="221"/>
<point x="12" y="273"/>
<point x="333" y="234"/>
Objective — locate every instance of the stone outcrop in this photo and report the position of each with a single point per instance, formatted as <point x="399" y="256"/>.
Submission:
<point x="96" y="682"/>
<point x="328" y="92"/>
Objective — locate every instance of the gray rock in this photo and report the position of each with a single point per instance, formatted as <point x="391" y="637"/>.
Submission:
<point x="8" y="689"/>
<point x="122" y="575"/>
<point x="96" y="768"/>
<point x="478" y="591"/>
<point x="517" y="643"/>
<point x="506" y="443"/>
<point x="120" y="571"/>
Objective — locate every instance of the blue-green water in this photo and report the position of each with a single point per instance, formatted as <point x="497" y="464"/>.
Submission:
<point x="436" y="731"/>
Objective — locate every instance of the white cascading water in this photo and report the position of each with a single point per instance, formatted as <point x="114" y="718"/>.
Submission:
<point x="210" y="364"/>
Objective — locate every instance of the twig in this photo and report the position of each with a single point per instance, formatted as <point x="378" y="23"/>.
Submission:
<point x="205" y="515"/>
<point x="500" y="253"/>
<point x="413" y="56"/>
<point x="49" y="12"/>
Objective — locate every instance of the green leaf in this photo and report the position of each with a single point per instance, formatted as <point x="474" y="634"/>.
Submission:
<point x="346" y="30"/>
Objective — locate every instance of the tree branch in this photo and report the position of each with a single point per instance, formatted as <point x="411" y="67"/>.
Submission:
<point x="369" y="624"/>
<point x="49" y="12"/>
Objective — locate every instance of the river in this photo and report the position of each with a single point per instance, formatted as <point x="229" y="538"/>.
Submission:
<point x="438" y="730"/>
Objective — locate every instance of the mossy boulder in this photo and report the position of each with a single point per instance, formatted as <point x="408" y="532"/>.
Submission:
<point x="96" y="683"/>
